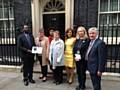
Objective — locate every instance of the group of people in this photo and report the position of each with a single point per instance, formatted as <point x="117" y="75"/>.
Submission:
<point x="82" y="51"/>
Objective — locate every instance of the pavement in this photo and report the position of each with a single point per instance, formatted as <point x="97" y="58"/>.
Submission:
<point x="11" y="79"/>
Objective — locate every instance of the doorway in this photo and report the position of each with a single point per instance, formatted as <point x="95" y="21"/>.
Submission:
<point x="56" y="21"/>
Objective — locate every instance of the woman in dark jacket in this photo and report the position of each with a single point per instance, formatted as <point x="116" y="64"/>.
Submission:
<point x="79" y="50"/>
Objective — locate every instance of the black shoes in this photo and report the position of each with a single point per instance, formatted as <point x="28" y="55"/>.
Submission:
<point x="32" y="81"/>
<point x="54" y="81"/>
<point x="41" y="77"/>
<point x="44" y="79"/>
<point x="26" y="83"/>
<point x="58" y="82"/>
<point x="80" y="88"/>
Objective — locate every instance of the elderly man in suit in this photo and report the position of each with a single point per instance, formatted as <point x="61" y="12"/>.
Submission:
<point x="96" y="57"/>
<point x="25" y="42"/>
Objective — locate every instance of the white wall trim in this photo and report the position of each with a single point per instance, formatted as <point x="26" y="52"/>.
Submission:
<point x="54" y="12"/>
<point x="69" y="9"/>
<point x="35" y="17"/>
<point x="37" y="14"/>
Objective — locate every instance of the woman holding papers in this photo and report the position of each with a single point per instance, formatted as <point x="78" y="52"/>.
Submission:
<point x="42" y="42"/>
<point x="56" y="57"/>
<point x="79" y="51"/>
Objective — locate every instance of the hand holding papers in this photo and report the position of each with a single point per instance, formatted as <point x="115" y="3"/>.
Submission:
<point x="37" y="50"/>
<point x="77" y="57"/>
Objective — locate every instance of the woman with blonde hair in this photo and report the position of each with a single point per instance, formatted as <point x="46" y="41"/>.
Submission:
<point x="69" y="60"/>
<point x="79" y="51"/>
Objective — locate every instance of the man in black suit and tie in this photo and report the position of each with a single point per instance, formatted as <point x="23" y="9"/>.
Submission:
<point x="25" y="42"/>
<point x="96" y="56"/>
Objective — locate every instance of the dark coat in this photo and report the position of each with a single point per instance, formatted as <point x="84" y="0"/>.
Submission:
<point x="23" y="45"/>
<point x="97" y="57"/>
<point x="82" y="46"/>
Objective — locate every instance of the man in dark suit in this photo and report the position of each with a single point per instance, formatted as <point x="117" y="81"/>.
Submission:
<point x="96" y="56"/>
<point x="25" y="42"/>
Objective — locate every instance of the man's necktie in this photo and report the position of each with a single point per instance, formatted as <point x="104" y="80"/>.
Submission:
<point x="28" y="39"/>
<point x="88" y="50"/>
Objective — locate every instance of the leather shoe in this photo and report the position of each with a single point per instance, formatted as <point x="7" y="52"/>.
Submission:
<point x="78" y="88"/>
<point x="82" y="88"/>
<point x="44" y="79"/>
<point x="57" y="83"/>
<point x="26" y="83"/>
<point x="70" y="82"/>
<point x="32" y="81"/>
<point x="54" y="81"/>
<point x="41" y="77"/>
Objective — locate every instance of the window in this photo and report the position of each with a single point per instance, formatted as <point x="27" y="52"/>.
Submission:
<point x="6" y="19"/>
<point x="54" y="5"/>
<point x="109" y="17"/>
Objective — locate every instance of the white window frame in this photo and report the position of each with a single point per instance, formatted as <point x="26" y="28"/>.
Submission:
<point x="53" y="12"/>
<point x="62" y="1"/>
<point x="37" y="14"/>
<point x="109" y="40"/>
<point x="5" y="40"/>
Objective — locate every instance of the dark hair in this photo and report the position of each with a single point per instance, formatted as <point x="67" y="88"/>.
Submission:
<point x="51" y="28"/>
<point x="69" y="29"/>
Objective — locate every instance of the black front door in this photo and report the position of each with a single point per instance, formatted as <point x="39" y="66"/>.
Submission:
<point x="56" y="21"/>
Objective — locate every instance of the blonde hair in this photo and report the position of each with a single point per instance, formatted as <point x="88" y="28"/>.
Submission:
<point x="85" y="32"/>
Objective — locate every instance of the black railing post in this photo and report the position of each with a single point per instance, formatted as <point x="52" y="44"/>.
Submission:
<point x="8" y="47"/>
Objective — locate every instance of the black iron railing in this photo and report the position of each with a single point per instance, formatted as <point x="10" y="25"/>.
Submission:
<point x="111" y="35"/>
<point x="8" y="45"/>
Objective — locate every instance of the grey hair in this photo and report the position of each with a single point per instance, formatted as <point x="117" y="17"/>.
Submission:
<point x="93" y="29"/>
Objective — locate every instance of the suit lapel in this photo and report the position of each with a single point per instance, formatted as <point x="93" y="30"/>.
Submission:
<point x="95" y="42"/>
<point x="26" y="38"/>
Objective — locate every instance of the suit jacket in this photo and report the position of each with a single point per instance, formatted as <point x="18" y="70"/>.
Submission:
<point x="97" y="57"/>
<point x="81" y="46"/>
<point x="23" y="45"/>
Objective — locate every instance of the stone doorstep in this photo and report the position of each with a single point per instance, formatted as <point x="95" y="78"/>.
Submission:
<point x="7" y="68"/>
<point x="106" y="75"/>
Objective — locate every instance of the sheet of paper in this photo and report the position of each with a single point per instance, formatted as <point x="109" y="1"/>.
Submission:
<point x="37" y="50"/>
<point x="77" y="56"/>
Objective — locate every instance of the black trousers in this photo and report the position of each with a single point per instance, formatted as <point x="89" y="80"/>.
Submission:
<point x="96" y="81"/>
<point x="28" y="63"/>
<point x="44" y="69"/>
<point x="58" y="74"/>
<point x="81" y="67"/>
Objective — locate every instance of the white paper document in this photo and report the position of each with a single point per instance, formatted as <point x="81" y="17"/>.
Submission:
<point x="77" y="57"/>
<point x="37" y="50"/>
